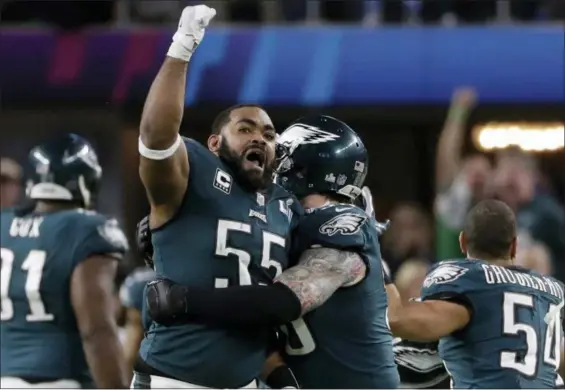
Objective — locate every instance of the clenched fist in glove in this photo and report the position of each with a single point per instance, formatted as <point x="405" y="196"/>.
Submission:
<point x="192" y="26"/>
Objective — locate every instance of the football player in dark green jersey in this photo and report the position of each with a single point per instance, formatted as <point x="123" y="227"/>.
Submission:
<point x="59" y="261"/>
<point x="499" y="325"/>
<point x="332" y="302"/>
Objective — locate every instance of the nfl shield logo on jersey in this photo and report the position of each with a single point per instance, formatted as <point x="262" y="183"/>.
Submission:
<point x="444" y="274"/>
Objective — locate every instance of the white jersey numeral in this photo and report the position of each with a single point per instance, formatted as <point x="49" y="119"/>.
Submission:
<point x="300" y="340"/>
<point x="549" y="351"/>
<point x="33" y="265"/>
<point x="244" y="257"/>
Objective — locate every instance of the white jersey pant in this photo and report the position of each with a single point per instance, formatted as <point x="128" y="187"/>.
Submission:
<point x="9" y="382"/>
<point x="144" y="381"/>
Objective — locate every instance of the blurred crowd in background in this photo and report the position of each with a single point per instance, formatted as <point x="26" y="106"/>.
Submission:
<point x="74" y="14"/>
<point x="422" y="230"/>
<point x="416" y="238"/>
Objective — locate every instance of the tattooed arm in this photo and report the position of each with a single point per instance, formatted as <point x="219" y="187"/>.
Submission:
<point x="319" y="273"/>
<point x="300" y="289"/>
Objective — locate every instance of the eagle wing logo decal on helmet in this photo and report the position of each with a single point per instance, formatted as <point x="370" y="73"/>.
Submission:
<point x="444" y="274"/>
<point x="346" y="224"/>
<point x="299" y="134"/>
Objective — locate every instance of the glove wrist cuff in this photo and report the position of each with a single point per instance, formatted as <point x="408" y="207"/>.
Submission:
<point x="180" y="51"/>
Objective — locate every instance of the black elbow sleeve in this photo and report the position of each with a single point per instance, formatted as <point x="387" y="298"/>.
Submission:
<point x="243" y="305"/>
<point x="289" y="306"/>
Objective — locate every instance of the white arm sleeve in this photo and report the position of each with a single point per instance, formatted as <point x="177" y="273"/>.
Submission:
<point x="154" y="154"/>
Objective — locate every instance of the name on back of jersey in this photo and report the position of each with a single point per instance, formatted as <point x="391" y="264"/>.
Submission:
<point x="26" y="227"/>
<point x="495" y="274"/>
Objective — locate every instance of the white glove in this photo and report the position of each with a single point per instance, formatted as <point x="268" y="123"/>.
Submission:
<point x="192" y="25"/>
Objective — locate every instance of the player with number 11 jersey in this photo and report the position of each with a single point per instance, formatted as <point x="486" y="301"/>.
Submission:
<point x="59" y="264"/>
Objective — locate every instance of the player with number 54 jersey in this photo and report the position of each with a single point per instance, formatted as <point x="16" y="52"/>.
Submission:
<point x="499" y="325"/>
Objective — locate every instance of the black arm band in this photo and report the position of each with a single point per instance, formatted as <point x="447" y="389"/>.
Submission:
<point x="260" y="306"/>
<point x="282" y="377"/>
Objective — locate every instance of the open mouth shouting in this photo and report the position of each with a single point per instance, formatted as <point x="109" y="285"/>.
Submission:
<point x="255" y="158"/>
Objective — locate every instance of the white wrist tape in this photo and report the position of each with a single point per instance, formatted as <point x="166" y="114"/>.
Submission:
<point x="180" y="51"/>
<point x="153" y="154"/>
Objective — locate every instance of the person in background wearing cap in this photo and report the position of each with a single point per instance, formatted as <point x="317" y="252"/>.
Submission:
<point x="10" y="183"/>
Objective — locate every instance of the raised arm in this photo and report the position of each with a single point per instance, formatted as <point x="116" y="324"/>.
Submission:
<point x="163" y="165"/>
<point x="319" y="273"/>
<point x="450" y="145"/>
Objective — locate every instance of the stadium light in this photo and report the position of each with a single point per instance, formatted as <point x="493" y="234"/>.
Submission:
<point x="528" y="136"/>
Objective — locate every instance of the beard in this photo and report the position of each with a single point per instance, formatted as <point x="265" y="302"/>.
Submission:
<point x="249" y="180"/>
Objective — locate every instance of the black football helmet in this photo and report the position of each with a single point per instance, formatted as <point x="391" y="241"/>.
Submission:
<point x="65" y="169"/>
<point x="320" y="154"/>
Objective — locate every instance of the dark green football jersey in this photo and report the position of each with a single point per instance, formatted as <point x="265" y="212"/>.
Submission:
<point x="511" y="341"/>
<point x="346" y="343"/>
<point x="132" y="292"/>
<point x="221" y="236"/>
<point x="40" y="338"/>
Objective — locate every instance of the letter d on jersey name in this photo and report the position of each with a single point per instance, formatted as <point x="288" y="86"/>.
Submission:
<point x="222" y="181"/>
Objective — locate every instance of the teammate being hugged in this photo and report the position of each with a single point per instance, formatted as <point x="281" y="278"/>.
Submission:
<point x="59" y="262"/>
<point x="333" y="300"/>
<point x="217" y="219"/>
<point x="499" y="325"/>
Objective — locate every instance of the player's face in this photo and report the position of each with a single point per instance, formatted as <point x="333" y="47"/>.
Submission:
<point x="248" y="144"/>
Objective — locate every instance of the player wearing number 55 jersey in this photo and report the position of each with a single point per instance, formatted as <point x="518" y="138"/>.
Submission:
<point x="58" y="269"/>
<point x="499" y="325"/>
<point x="336" y="284"/>
<point x="217" y="220"/>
